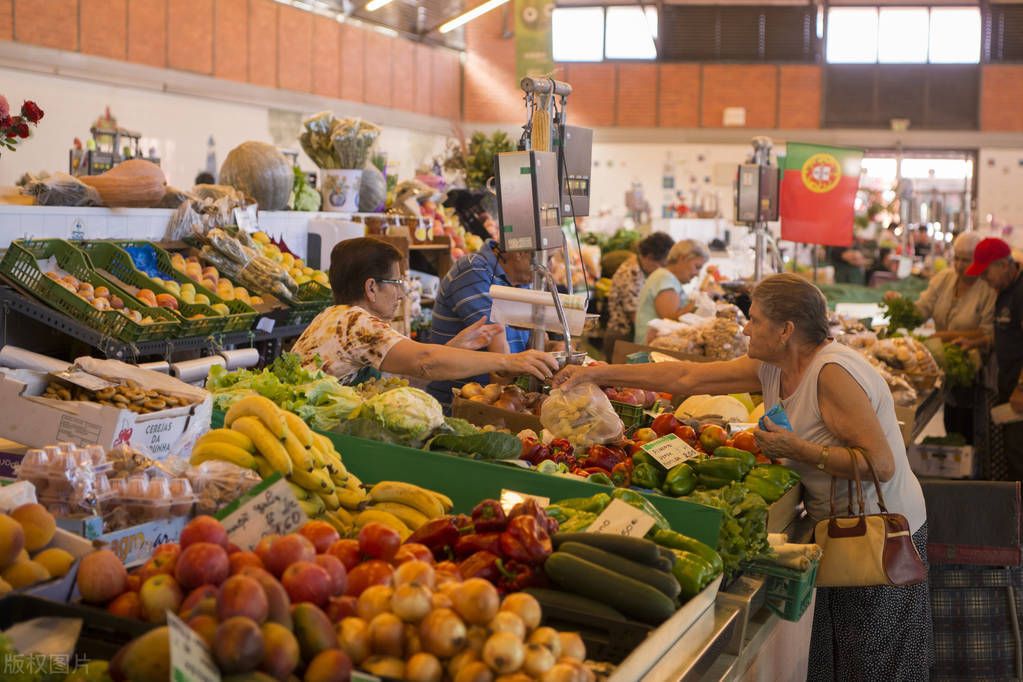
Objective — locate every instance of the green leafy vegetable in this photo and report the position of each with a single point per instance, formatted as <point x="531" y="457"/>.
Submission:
<point x="901" y="313"/>
<point x="958" y="365"/>
<point x="488" y="445"/>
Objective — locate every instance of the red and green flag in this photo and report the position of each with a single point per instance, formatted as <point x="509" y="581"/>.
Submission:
<point x="818" y="190"/>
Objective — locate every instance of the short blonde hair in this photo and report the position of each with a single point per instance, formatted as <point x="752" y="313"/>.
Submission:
<point x="786" y="297"/>
<point x="688" y="248"/>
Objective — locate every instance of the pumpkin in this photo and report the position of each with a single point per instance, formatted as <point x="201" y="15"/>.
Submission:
<point x="260" y="171"/>
<point x="373" y="190"/>
<point x="136" y="183"/>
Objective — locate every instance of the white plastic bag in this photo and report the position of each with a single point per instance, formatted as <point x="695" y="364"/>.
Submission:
<point x="582" y="415"/>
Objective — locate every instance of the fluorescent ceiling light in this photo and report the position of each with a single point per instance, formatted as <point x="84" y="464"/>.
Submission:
<point x="470" y="15"/>
<point x="374" y="5"/>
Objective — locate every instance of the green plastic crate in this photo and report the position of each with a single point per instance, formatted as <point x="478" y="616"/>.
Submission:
<point x="789" y="592"/>
<point x="20" y="266"/>
<point x="115" y="260"/>
<point x="242" y="315"/>
<point x="632" y="416"/>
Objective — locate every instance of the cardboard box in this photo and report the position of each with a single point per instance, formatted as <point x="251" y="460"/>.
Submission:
<point x="37" y="422"/>
<point x="785" y="509"/>
<point x="623" y="349"/>
<point x="482" y="414"/>
<point x="913" y="418"/>
<point x="942" y="461"/>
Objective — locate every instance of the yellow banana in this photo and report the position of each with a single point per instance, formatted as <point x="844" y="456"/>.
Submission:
<point x="300" y="457"/>
<point x="330" y="501"/>
<point x="353" y="482"/>
<point x="444" y="500"/>
<point x="325" y="444"/>
<point x="263" y="466"/>
<point x="203" y="452"/>
<point x="261" y="408"/>
<point x="341" y="527"/>
<point x="235" y="438"/>
<point x="407" y="494"/>
<point x="389" y="520"/>
<point x="349" y="499"/>
<point x="298" y="427"/>
<point x="312" y="506"/>
<point x="412" y="518"/>
<point x="344" y="516"/>
<point x="300" y="492"/>
<point x="334" y="465"/>
<point x="319" y="459"/>
<point x="265" y="442"/>
<point x="310" y="481"/>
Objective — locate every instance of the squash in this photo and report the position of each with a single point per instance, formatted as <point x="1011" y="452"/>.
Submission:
<point x="372" y="190"/>
<point x="135" y="183"/>
<point x="260" y="171"/>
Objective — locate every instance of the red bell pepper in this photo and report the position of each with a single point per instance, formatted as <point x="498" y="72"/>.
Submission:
<point x="516" y="576"/>
<point x="437" y="534"/>
<point x="552" y="526"/>
<point x="528" y="507"/>
<point x="488" y="517"/>
<point x="478" y="542"/>
<point x="533" y="451"/>
<point x="600" y="456"/>
<point x="621" y="475"/>
<point x="562" y="445"/>
<point x="597" y="470"/>
<point x="481" y="564"/>
<point x="526" y="540"/>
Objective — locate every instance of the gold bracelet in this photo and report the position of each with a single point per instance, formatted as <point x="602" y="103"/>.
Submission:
<point x="823" y="461"/>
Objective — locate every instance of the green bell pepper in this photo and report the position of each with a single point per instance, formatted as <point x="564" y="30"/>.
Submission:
<point x="674" y="540"/>
<point x="647" y="476"/>
<point x="644" y="457"/>
<point x="600" y="479"/>
<point x="782" y="475"/>
<point x="719" y="471"/>
<point x="577" y="522"/>
<point x="692" y="572"/>
<point x="681" y="480"/>
<point x="560" y="513"/>
<point x="766" y="488"/>
<point x="631" y="497"/>
<point x="748" y="458"/>
<point x="595" y="503"/>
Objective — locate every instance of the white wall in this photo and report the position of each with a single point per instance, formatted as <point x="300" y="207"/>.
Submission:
<point x="999" y="199"/>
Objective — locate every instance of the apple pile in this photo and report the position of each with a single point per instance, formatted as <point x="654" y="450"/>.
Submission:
<point x="310" y="605"/>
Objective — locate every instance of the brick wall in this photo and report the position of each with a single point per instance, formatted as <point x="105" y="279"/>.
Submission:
<point x="1001" y="91"/>
<point x="250" y="41"/>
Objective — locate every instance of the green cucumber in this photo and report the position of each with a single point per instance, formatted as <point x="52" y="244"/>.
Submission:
<point x="633" y="598"/>
<point x="638" y="549"/>
<point x="665" y="582"/>
<point x="573" y="602"/>
<point x="665" y="564"/>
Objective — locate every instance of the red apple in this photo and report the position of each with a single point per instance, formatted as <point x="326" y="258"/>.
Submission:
<point x="321" y="534"/>
<point x="126" y="605"/>
<point x="171" y="548"/>
<point x="665" y="424"/>
<point x="134" y="584"/>
<point x="157" y="564"/>
<point x="202" y="563"/>
<point x="712" y="437"/>
<point x="159" y="595"/>
<point x="262" y="547"/>
<point x="347" y="550"/>
<point x="306" y="581"/>
<point x="241" y="595"/>
<point x="239" y="560"/>
<point x="336" y="570"/>
<point x="203" y="529"/>
<point x="286" y="550"/>
<point x="101" y="577"/>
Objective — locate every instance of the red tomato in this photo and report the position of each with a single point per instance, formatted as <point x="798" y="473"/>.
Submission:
<point x="664" y="424"/>
<point x="347" y="551"/>
<point x="413" y="551"/>
<point x="686" y="433"/>
<point x="373" y="572"/>
<point x="379" y="541"/>
<point x="744" y="440"/>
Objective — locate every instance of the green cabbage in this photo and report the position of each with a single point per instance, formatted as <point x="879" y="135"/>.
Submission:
<point x="408" y="413"/>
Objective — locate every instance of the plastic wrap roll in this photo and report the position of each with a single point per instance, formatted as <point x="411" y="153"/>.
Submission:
<point x="19" y="358"/>
<point x="245" y="357"/>
<point x="193" y="371"/>
<point x="515" y="307"/>
<point x="161" y="366"/>
<point x="536" y="297"/>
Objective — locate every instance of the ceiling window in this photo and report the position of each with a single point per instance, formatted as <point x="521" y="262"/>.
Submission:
<point x="630" y="33"/>
<point x="955" y="35"/>
<point x="852" y="35"/>
<point x="903" y="35"/>
<point x="578" y="34"/>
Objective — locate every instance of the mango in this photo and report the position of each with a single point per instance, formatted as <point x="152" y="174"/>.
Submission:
<point x="238" y="646"/>
<point x="145" y="659"/>
<point x="12" y="540"/>
<point x="313" y="630"/>
<point x="280" y="651"/>
<point x="56" y="561"/>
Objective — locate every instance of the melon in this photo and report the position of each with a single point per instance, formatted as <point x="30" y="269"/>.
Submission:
<point x="724" y="406"/>
<point x="757" y="413"/>
<point x="260" y="171"/>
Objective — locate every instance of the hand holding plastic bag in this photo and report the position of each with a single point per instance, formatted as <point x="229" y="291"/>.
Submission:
<point x="582" y="415"/>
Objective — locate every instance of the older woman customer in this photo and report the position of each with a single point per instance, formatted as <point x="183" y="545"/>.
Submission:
<point x="354" y="338"/>
<point x="835" y="401"/>
<point x="662" y="295"/>
<point x="626" y="284"/>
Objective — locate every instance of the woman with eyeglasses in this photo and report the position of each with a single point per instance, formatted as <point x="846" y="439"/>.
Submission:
<point x="963" y="309"/>
<point x="355" y="341"/>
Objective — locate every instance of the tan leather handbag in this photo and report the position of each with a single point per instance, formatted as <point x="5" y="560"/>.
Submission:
<point x="865" y="550"/>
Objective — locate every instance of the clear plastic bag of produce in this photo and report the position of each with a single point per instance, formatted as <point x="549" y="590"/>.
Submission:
<point x="61" y="189"/>
<point x="582" y="415"/>
<point x="216" y="484"/>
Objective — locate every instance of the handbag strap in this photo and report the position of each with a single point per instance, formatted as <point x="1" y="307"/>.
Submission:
<point x="873" y="474"/>
<point x="849" y="495"/>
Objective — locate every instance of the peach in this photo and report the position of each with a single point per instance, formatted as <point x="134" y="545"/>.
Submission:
<point x="203" y="529"/>
<point x="159" y="594"/>
<point x="172" y="548"/>
<point x="332" y="665"/>
<point x="56" y="561"/>
<point x="25" y="573"/>
<point x="262" y="548"/>
<point x="38" y="524"/>
<point x="336" y="570"/>
<point x="306" y="581"/>
<point x="241" y="595"/>
<point x="321" y="534"/>
<point x="280" y="651"/>
<point x="286" y="550"/>
<point x="196" y="596"/>
<point x="202" y="563"/>
<point x="239" y="560"/>
<point x="339" y="608"/>
<point x="167" y="301"/>
<point x="206" y="627"/>
<point x="12" y="540"/>
<point x="134" y="584"/>
<point x="126" y="605"/>
<point x="146" y="296"/>
<point x="101" y="577"/>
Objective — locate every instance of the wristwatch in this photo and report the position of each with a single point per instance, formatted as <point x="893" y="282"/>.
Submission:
<point x="823" y="461"/>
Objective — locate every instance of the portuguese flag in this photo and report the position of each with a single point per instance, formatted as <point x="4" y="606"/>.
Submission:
<point x="818" y="189"/>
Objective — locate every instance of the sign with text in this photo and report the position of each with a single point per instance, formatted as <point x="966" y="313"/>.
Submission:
<point x="135" y="544"/>
<point x="670" y="450"/>
<point x="269" y="508"/>
<point x="190" y="659"/>
<point x="621" y="518"/>
<point x="510" y="498"/>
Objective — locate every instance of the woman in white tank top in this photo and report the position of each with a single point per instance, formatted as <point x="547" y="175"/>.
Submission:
<point x="835" y="401"/>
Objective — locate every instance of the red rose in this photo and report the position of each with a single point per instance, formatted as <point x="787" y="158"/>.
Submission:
<point x="5" y="122"/>
<point x="22" y="129"/>
<point x="31" y="111"/>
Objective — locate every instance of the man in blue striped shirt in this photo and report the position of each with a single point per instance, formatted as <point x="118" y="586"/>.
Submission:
<point x="464" y="298"/>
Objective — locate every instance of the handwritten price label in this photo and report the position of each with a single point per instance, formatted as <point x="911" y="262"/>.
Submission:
<point x="190" y="659"/>
<point x="510" y="498"/>
<point x="620" y="518"/>
<point x="670" y="450"/>
<point x="273" y="510"/>
<point x="135" y="544"/>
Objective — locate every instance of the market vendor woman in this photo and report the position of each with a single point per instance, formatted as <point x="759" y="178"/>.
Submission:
<point x="355" y="341"/>
<point x="836" y="402"/>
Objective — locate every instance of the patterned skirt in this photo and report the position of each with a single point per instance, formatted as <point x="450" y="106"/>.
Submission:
<point x="873" y="633"/>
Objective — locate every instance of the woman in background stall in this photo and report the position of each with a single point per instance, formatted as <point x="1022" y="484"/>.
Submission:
<point x="628" y="281"/>
<point x="662" y="295"/>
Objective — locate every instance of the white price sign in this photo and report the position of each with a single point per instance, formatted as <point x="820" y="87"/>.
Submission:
<point x="273" y="510"/>
<point x="190" y="659"/>
<point x="670" y="450"/>
<point x="510" y="498"/>
<point x="621" y="518"/>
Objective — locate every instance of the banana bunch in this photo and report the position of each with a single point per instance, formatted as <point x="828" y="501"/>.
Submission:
<point x="402" y="506"/>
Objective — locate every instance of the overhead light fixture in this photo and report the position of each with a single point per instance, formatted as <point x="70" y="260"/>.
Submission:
<point x="470" y="15"/>
<point x="374" y="5"/>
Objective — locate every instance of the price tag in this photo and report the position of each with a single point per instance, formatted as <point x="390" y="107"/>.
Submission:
<point x="245" y="218"/>
<point x="135" y="544"/>
<point x="510" y="498"/>
<point x="83" y="379"/>
<point x="273" y="509"/>
<point x="190" y="659"/>
<point x="620" y="518"/>
<point x="670" y="450"/>
<point x="265" y="324"/>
